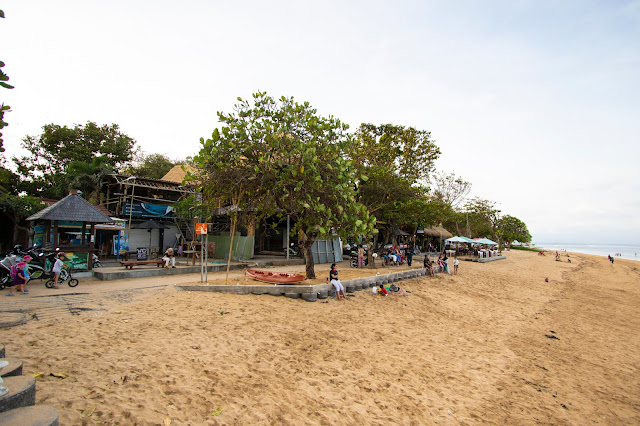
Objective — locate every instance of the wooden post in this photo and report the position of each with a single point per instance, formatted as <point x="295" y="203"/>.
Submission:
<point x="56" y="235"/>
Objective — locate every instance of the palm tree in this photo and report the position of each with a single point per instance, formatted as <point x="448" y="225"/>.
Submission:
<point x="87" y="177"/>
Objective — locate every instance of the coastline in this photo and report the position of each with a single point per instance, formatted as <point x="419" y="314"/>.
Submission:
<point x="628" y="252"/>
<point x="467" y="348"/>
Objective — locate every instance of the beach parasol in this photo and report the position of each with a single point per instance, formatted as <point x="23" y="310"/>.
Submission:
<point x="456" y="240"/>
<point x="486" y="241"/>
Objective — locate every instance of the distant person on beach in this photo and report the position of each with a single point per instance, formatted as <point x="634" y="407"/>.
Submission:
<point x="456" y="263"/>
<point x="333" y="279"/>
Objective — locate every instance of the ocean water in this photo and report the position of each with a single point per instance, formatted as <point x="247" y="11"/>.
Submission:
<point x="631" y="252"/>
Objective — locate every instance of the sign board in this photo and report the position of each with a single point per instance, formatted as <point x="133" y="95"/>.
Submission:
<point x="201" y="229"/>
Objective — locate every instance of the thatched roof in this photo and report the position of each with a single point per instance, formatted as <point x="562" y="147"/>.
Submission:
<point x="72" y="208"/>
<point x="177" y="174"/>
<point x="437" y="231"/>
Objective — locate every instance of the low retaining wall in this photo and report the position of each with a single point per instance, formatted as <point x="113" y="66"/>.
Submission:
<point x="310" y="293"/>
<point x="485" y="259"/>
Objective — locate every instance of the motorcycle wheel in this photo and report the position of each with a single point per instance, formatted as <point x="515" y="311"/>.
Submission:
<point x="73" y="282"/>
<point x="97" y="264"/>
<point x="49" y="284"/>
<point x="354" y="263"/>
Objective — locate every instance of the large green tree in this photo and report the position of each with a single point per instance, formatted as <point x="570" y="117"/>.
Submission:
<point x="44" y="169"/>
<point x="511" y="229"/>
<point x="483" y="216"/>
<point x="398" y="161"/>
<point x="283" y="158"/>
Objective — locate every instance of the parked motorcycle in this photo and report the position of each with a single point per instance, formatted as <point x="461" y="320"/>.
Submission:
<point x="294" y="251"/>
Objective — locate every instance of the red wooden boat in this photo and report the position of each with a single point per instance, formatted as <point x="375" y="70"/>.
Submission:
<point x="275" y="277"/>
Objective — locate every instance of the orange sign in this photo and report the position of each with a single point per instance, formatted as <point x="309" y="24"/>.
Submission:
<point x="201" y="229"/>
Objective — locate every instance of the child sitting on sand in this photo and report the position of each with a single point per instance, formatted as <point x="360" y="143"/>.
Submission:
<point x="394" y="289"/>
<point x="383" y="291"/>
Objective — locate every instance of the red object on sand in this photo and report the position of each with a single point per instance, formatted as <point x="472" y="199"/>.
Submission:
<point x="275" y="277"/>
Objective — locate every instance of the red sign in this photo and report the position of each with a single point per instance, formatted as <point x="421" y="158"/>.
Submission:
<point x="201" y="229"/>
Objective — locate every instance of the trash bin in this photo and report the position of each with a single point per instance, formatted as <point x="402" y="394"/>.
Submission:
<point x="142" y="253"/>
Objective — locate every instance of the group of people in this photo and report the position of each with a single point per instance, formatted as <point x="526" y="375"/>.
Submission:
<point x="397" y="256"/>
<point x="20" y="275"/>
<point x="382" y="290"/>
<point x="443" y="263"/>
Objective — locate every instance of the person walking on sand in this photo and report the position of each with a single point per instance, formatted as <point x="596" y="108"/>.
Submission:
<point x="456" y="263"/>
<point x="19" y="280"/>
<point x="333" y="279"/>
<point x="360" y="256"/>
<point x="409" y="252"/>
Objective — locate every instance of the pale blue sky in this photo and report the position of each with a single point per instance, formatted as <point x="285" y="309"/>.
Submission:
<point x="537" y="103"/>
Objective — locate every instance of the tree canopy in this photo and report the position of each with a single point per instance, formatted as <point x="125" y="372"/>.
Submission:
<point x="152" y="166"/>
<point x="513" y="229"/>
<point x="281" y="157"/>
<point x="43" y="170"/>
<point x="398" y="161"/>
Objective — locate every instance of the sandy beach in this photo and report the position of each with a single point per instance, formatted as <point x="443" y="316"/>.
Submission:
<point x="494" y="344"/>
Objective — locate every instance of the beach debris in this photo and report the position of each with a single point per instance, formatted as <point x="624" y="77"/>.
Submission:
<point x="34" y="316"/>
<point x="223" y="312"/>
<point x="116" y="312"/>
<point x="217" y="411"/>
<point x="551" y="336"/>
<point x="87" y="412"/>
<point x="195" y="347"/>
<point x="59" y="375"/>
<point x="37" y="375"/>
<point x="167" y="421"/>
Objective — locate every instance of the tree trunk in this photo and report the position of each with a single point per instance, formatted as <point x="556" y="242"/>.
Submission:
<point x="370" y="258"/>
<point x="234" y="222"/>
<point x="308" y="256"/>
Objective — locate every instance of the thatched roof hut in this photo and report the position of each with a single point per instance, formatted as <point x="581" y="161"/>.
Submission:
<point x="437" y="231"/>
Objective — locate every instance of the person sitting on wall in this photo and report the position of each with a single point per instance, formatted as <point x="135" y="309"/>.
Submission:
<point x="169" y="256"/>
